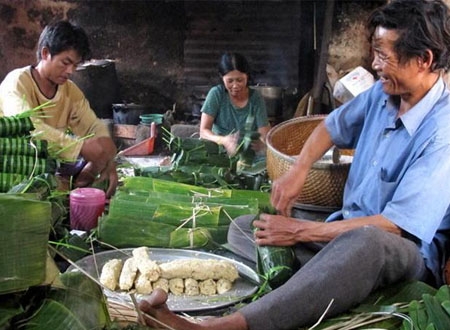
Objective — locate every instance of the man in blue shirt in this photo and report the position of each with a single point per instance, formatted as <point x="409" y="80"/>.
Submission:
<point x="395" y="223"/>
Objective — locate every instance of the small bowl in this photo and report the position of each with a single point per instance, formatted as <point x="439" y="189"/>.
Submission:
<point x="147" y="119"/>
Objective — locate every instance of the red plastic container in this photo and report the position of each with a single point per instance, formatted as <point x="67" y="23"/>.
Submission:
<point x="86" y="206"/>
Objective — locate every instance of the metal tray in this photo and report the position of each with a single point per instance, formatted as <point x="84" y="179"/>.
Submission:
<point x="243" y="287"/>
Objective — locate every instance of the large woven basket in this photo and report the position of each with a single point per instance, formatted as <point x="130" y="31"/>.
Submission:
<point x="325" y="182"/>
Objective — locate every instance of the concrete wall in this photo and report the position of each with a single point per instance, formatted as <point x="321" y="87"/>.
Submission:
<point x="146" y="40"/>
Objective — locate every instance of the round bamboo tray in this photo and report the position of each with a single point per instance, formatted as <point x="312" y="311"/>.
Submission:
<point x="324" y="186"/>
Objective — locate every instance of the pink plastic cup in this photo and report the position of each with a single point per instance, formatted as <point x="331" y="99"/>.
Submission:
<point x="86" y="206"/>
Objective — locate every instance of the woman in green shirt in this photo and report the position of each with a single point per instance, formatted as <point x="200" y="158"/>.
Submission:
<point x="231" y="107"/>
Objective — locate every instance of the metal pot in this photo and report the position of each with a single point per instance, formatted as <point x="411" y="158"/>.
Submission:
<point x="273" y="98"/>
<point x="128" y="113"/>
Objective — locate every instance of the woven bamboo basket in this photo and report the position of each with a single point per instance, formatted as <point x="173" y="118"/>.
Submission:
<point x="324" y="185"/>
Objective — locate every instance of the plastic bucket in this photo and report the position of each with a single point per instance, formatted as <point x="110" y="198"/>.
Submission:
<point x="86" y="206"/>
<point x="149" y="118"/>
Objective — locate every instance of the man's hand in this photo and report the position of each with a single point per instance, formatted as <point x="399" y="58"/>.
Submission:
<point x="99" y="150"/>
<point x="99" y="154"/>
<point x="91" y="174"/>
<point x="87" y="175"/>
<point x="110" y="174"/>
<point x="285" y="191"/>
<point x="279" y="230"/>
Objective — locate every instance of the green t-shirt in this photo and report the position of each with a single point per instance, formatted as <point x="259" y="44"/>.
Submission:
<point x="228" y="118"/>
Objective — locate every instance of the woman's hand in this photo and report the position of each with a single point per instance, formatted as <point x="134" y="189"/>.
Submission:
<point x="259" y="147"/>
<point x="229" y="142"/>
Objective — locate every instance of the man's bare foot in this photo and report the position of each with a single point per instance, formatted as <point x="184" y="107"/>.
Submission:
<point x="159" y="315"/>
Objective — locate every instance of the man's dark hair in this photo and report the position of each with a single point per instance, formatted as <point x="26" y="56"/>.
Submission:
<point x="421" y="24"/>
<point x="233" y="61"/>
<point x="61" y="36"/>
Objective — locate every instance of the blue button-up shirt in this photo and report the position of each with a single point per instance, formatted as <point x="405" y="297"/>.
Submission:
<point x="401" y="166"/>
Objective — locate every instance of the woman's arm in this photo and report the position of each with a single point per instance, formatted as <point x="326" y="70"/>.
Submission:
<point x="228" y="141"/>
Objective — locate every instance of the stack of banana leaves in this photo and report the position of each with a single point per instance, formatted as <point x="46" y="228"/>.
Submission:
<point x="21" y="157"/>
<point x="160" y="213"/>
<point x="33" y="292"/>
<point x="204" y="163"/>
<point x="409" y="305"/>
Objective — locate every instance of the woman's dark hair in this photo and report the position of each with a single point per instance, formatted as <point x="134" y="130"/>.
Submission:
<point x="233" y="61"/>
<point x="61" y="36"/>
<point x="421" y="24"/>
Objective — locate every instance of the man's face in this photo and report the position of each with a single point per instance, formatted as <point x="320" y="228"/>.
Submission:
<point x="235" y="82"/>
<point x="397" y="78"/>
<point x="58" y="68"/>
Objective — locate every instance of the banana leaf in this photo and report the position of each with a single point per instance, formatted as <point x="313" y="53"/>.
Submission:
<point x="131" y="209"/>
<point x="84" y="298"/>
<point x="54" y="315"/>
<point x="263" y="198"/>
<point x="10" y="307"/>
<point x="133" y="232"/>
<point x="138" y="183"/>
<point x="436" y="314"/>
<point x="177" y="144"/>
<point x="197" y="175"/>
<point x="397" y="306"/>
<point x="23" y="241"/>
<point x="233" y="207"/>
<point x="189" y="238"/>
<point x="275" y="264"/>
<point x="122" y="232"/>
<point x="81" y="306"/>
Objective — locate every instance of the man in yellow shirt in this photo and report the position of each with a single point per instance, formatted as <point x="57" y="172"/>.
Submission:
<point x="61" y="47"/>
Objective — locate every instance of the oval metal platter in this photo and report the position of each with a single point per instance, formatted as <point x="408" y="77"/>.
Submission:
<point x="246" y="285"/>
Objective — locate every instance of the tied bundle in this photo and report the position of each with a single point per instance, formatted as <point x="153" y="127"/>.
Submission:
<point x="159" y="213"/>
<point x="22" y="157"/>
<point x="204" y="163"/>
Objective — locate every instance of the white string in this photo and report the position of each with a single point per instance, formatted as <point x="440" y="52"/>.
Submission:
<point x="232" y="223"/>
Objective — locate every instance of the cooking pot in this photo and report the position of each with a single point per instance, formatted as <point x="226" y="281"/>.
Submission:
<point x="128" y="113"/>
<point x="273" y="98"/>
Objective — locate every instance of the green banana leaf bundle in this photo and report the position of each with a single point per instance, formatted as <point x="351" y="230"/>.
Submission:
<point x="8" y="180"/>
<point x="198" y="175"/>
<point x="160" y="213"/>
<point x="138" y="184"/>
<point x="122" y="232"/>
<point x="27" y="165"/>
<point x="15" y="126"/>
<point x="24" y="233"/>
<point x="144" y="184"/>
<point x="177" y="144"/>
<point x="233" y="207"/>
<point x="275" y="264"/>
<point x="174" y="214"/>
<point x="23" y="146"/>
<point x="191" y="216"/>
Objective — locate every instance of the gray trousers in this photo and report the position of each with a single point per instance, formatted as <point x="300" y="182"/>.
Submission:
<point x="347" y="269"/>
